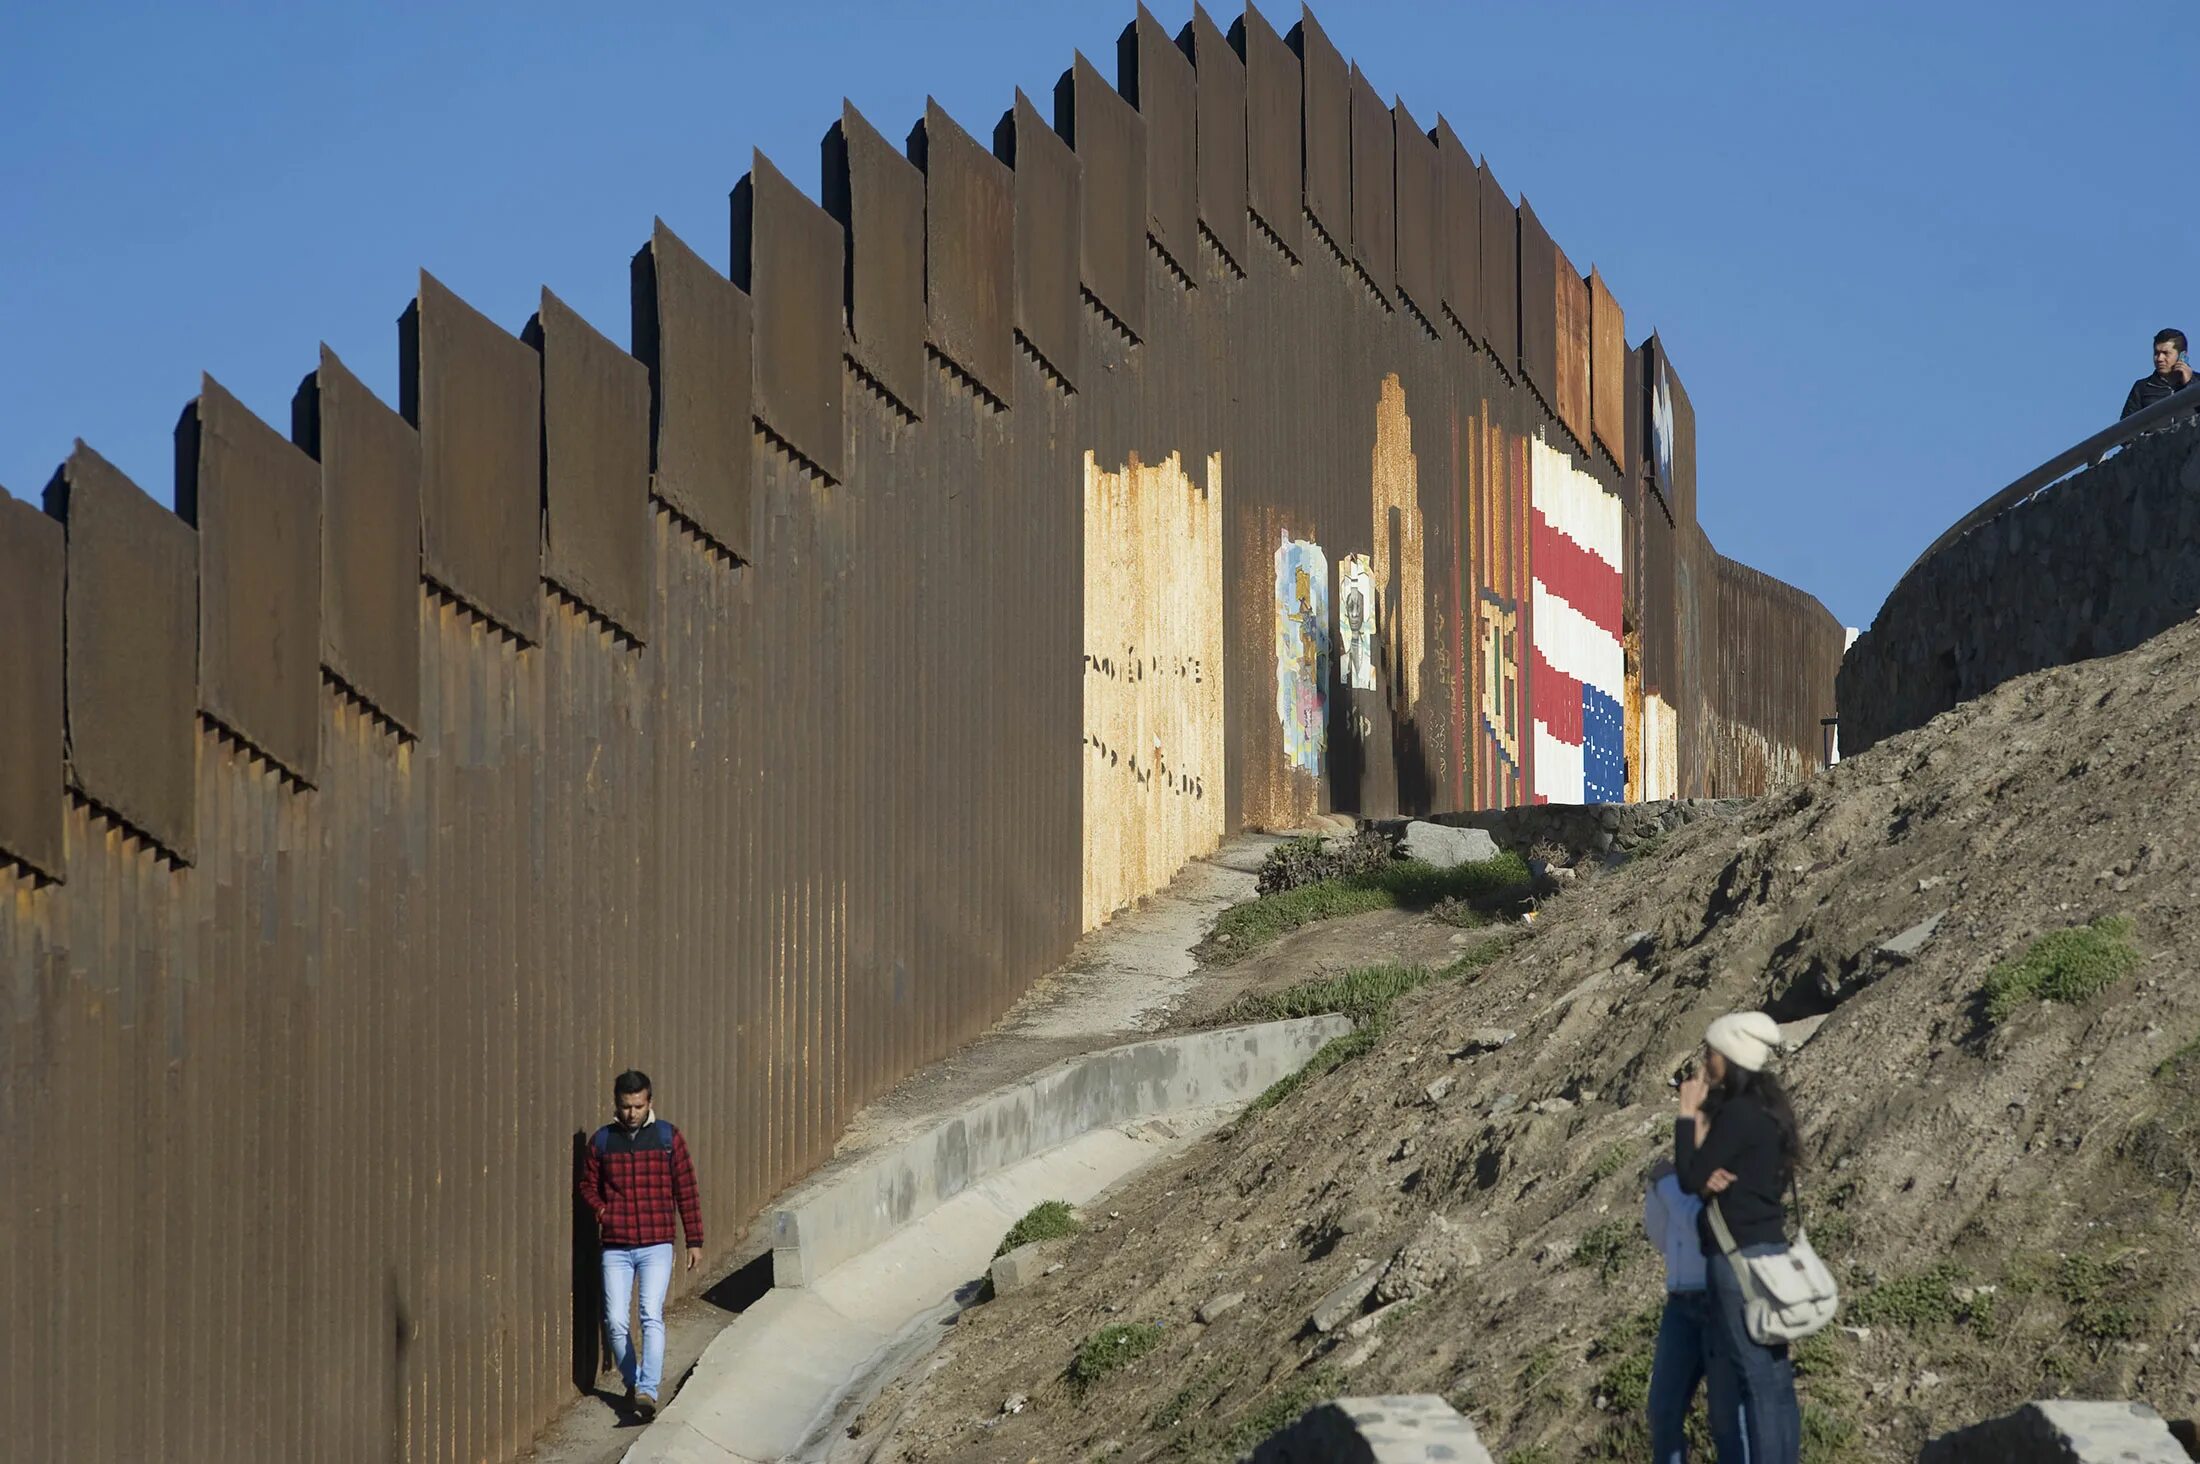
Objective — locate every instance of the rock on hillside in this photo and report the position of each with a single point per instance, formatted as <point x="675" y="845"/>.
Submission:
<point x="2009" y="1203"/>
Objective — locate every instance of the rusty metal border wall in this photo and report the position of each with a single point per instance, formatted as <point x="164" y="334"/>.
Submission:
<point x="297" y="1051"/>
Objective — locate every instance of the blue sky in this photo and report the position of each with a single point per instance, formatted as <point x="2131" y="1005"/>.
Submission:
<point x="1901" y="252"/>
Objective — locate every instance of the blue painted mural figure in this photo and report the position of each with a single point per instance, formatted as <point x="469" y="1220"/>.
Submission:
<point x="1302" y="651"/>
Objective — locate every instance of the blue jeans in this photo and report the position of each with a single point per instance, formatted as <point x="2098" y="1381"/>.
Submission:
<point x="1772" y="1424"/>
<point x="621" y="1264"/>
<point x="1683" y="1359"/>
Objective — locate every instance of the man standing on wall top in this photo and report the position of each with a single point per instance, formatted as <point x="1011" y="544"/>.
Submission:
<point x="636" y="1173"/>
<point x="2172" y="373"/>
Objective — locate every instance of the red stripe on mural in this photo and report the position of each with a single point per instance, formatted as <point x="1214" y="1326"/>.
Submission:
<point x="1578" y="577"/>
<point x="1557" y="701"/>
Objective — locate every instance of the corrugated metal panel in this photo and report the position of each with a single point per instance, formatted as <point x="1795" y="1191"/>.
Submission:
<point x="475" y="393"/>
<point x="1421" y="262"/>
<point x="878" y="197"/>
<point x="132" y="658"/>
<point x="1500" y="273"/>
<point x="1049" y="209"/>
<point x="1326" y="127"/>
<point x="256" y="503"/>
<point x="1459" y="193"/>
<point x="1571" y="306"/>
<point x="1608" y="380"/>
<point x="1374" y="188"/>
<point x="1538" y="307"/>
<point x="31" y="563"/>
<point x="970" y="251"/>
<point x="370" y="538"/>
<point x="692" y="329"/>
<point x="1220" y="73"/>
<point x="1273" y="190"/>
<point x="1157" y="76"/>
<point x="1110" y="139"/>
<point x="790" y="255"/>
<point x="595" y="414"/>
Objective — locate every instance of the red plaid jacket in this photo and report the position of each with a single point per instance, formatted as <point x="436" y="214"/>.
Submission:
<point x="633" y="1182"/>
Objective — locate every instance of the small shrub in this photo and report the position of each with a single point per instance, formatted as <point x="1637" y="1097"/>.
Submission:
<point x="1915" y="1302"/>
<point x="1047" y="1220"/>
<point x="1296" y="863"/>
<point x="1531" y="1454"/>
<point x="1110" y="1348"/>
<point x="1607" y="1247"/>
<point x="1626" y="1384"/>
<point x="1611" y="1161"/>
<point x="1829" y="1438"/>
<point x="2106" y="1304"/>
<point x="2069" y="966"/>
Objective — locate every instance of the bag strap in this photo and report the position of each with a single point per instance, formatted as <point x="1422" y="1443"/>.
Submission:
<point x="1719" y="1232"/>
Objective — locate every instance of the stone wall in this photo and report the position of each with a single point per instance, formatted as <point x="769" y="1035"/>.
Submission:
<point x="2095" y="565"/>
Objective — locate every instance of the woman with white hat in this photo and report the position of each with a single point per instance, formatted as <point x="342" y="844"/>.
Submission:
<point x="1737" y="1143"/>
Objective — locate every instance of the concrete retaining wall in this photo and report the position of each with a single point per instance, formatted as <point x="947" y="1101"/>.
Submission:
<point x="2095" y="565"/>
<point x="855" y="1209"/>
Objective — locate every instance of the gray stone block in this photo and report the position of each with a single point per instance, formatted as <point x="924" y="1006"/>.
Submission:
<point x="1020" y="1267"/>
<point x="1444" y="847"/>
<point x="1344" y="1303"/>
<point x="1415" y="1428"/>
<point x="2062" y="1431"/>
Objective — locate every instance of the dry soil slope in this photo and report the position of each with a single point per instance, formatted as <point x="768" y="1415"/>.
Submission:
<point x="2049" y="1158"/>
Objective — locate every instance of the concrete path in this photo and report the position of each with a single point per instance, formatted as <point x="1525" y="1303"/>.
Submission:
<point x="778" y="1383"/>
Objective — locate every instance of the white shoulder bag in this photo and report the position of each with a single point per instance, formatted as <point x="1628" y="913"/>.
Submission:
<point x="1788" y="1296"/>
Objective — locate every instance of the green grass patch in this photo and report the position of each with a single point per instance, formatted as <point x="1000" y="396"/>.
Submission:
<point x="1047" y="1220"/>
<point x="1916" y="1302"/>
<point x="1828" y="1438"/>
<point x="1607" y="1247"/>
<point x="1111" y="1348"/>
<point x="1363" y="995"/>
<point x="1611" y="1161"/>
<point x="2106" y="1304"/>
<point x="1411" y="884"/>
<point x="2070" y="966"/>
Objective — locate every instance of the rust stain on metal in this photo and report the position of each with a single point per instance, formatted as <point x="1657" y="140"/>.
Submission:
<point x="1153" y="677"/>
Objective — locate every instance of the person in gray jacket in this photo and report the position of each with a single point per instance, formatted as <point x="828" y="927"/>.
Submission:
<point x="1684" y="1331"/>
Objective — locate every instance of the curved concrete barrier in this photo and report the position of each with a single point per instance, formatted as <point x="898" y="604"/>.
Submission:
<point x="849" y="1212"/>
<point x="872" y="1256"/>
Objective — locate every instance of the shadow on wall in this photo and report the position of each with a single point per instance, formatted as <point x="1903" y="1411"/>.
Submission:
<point x="2097" y="565"/>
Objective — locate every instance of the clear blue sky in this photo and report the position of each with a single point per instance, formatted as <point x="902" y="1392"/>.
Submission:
<point x="1901" y="252"/>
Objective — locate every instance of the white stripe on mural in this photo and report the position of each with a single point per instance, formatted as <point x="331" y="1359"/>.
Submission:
<point x="1558" y="769"/>
<point x="1576" y="504"/>
<point x="1576" y="645"/>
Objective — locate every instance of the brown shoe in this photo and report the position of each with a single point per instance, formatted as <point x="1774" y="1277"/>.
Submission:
<point x="645" y="1407"/>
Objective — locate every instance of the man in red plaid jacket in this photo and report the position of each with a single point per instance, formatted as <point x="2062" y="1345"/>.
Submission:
<point x="636" y="1175"/>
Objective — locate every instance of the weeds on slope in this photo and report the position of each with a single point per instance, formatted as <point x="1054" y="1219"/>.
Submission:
<point x="1365" y="995"/>
<point x="1411" y="884"/>
<point x="2069" y="966"/>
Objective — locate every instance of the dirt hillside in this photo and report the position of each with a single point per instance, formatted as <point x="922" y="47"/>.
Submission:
<point x="2010" y="1203"/>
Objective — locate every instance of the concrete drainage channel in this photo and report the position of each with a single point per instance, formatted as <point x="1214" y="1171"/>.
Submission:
<point x="869" y="1262"/>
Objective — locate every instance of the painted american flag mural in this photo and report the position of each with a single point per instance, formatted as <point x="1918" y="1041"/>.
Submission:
<point x="1578" y="679"/>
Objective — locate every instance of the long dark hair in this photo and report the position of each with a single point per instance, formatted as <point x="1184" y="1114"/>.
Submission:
<point x="1763" y="1089"/>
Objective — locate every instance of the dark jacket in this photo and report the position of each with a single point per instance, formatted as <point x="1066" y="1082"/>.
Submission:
<point x="637" y="1183"/>
<point x="2148" y="390"/>
<point x="1744" y="1141"/>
